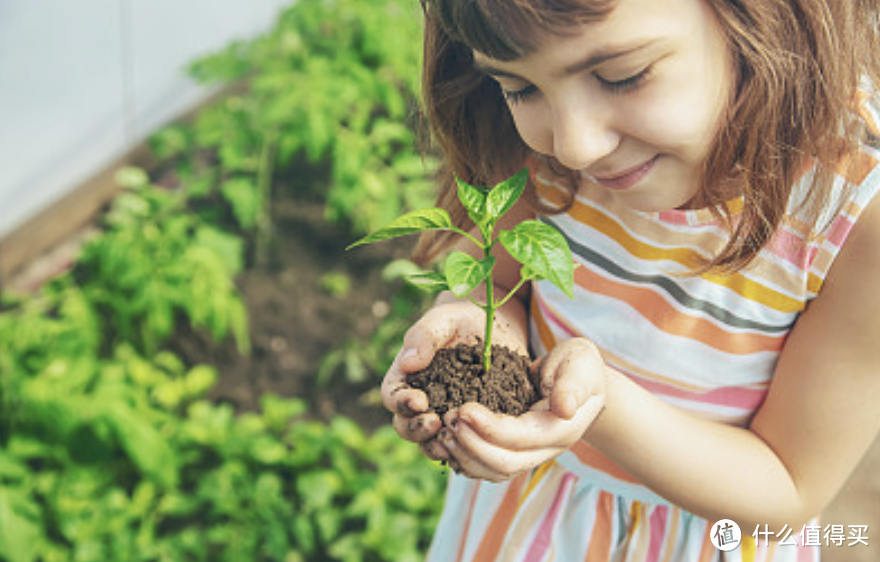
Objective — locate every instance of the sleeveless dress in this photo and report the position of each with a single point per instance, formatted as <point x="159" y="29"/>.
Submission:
<point x="708" y="344"/>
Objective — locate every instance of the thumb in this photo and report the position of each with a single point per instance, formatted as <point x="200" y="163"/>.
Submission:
<point x="422" y="340"/>
<point x="576" y="374"/>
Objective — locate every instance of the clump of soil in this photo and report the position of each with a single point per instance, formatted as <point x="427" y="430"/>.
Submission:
<point x="456" y="376"/>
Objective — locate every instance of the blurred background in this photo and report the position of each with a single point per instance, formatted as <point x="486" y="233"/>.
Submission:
<point x="189" y="358"/>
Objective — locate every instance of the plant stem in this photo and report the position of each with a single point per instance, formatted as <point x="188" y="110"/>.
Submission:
<point x="264" y="227"/>
<point x="490" y="311"/>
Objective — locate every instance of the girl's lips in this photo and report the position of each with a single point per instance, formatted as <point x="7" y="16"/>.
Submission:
<point x="628" y="178"/>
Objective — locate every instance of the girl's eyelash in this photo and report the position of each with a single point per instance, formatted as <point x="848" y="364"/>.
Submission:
<point x="517" y="96"/>
<point x="627" y="84"/>
<point x="615" y="87"/>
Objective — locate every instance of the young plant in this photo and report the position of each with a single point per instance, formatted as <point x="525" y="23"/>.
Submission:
<point x="541" y="249"/>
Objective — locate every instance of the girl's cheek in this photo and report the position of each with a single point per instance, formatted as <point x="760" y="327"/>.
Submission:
<point x="534" y="130"/>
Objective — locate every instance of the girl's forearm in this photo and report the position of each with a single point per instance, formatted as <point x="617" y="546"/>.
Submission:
<point x="708" y="468"/>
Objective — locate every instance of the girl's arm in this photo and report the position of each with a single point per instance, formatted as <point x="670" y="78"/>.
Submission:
<point x="821" y="414"/>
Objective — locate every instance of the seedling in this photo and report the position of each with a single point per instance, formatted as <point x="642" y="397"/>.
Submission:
<point x="541" y="249"/>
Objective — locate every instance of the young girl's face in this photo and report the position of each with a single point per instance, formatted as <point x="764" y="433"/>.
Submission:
<point x="632" y="101"/>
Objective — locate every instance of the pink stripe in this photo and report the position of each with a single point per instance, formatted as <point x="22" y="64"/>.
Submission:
<point x="733" y="396"/>
<point x="808" y="553"/>
<point x="839" y="230"/>
<point x="658" y="532"/>
<point x="673" y="217"/>
<point x="543" y="537"/>
<point x="791" y="247"/>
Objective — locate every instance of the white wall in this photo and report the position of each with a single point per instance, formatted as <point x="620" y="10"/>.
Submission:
<point x="81" y="82"/>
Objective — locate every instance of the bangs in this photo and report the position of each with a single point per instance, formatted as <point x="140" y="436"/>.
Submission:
<point x="508" y="29"/>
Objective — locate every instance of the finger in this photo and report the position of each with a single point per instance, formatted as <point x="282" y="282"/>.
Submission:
<point x="435" y="450"/>
<point x="417" y="429"/>
<point x="570" y="375"/>
<point x="537" y="428"/>
<point x="479" y="459"/>
<point x="439" y="328"/>
<point x="420" y="343"/>
<point x="397" y="396"/>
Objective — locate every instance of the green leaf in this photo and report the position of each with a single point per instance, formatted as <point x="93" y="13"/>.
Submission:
<point x="420" y="220"/>
<point x="131" y="177"/>
<point x="473" y="198"/>
<point x="146" y="447"/>
<point x="20" y="533"/>
<point x="428" y="281"/>
<point x="504" y="196"/>
<point x="544" y="250"/>
<point x="465" y="272"/>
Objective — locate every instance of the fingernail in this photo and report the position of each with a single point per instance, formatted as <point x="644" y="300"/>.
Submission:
<point x="404" y="409"/>
<point x="415" y="425"/>
<point x="409" y="353"/>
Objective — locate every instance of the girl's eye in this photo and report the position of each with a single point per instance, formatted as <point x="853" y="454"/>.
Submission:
<point x="516" y="96"/>
<point x="627" y="84"/>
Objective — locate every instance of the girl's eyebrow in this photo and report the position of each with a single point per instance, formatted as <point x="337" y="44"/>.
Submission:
<point x="600" y="56"/>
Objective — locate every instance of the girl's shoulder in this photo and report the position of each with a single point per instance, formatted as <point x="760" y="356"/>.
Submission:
<point x="855" y="177"/>
<point x="852" y="188"/>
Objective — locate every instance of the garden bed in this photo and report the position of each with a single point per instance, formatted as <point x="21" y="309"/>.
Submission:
<point x="297" y="317"/>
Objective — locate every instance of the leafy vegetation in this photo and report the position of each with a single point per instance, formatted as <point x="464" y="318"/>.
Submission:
<point x="333" y="84"/>
<point x="109" y="446"/>
<point x="109" y="450"/>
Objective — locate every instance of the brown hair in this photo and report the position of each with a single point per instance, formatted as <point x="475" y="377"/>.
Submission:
<point x="799" y="65"/>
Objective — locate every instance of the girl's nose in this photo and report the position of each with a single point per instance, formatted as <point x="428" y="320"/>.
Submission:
<point x="581" y="137"/>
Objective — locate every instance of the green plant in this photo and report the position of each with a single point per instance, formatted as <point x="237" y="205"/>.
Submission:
<point x="541" y="249"/>
<point x="156" y="264"/>
<point x="331" y="88"/>
<point x="110" y="450"/>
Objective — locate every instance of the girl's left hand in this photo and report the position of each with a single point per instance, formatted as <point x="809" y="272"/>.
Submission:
<point x="496" y="447"/>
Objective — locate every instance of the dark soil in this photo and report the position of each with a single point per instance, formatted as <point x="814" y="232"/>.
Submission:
<point x="456" y="376"/>
<point x="295" y="322"/>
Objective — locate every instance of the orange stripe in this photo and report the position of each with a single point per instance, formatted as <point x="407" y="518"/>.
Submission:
<point x="672" y="534"/>
<point x="594" y="459"/>
<point x="687" y="257"/>
<point x="544" y="332"/>
<point x="493" y="538"/>
<point x="708" y="550"/>
<point x="856" y="169"/>
<point x="656" y="310"/>
<point x="600" y="539"/>
<point x="601" y="221"/>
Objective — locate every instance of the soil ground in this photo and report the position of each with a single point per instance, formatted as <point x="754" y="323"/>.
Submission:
<point x="295" y="322"/>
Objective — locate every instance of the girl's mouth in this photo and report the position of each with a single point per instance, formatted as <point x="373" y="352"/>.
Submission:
<point x="627" y="178"/>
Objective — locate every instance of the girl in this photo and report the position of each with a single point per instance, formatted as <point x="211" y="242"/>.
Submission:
<point x="713" y="164"/>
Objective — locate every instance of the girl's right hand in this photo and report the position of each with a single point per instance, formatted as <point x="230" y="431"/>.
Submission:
<point x="445" y="325"/>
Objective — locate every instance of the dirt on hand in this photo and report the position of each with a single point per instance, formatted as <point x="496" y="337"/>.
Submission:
<point x="456" y="376"/>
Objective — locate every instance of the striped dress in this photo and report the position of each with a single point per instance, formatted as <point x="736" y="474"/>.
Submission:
<point x="708" y="344"/>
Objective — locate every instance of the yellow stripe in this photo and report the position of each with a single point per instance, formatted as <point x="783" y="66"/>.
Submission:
<point x="689" y="258"/>
<point x="748" y="548"/>
<point x="536" y="478"/>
